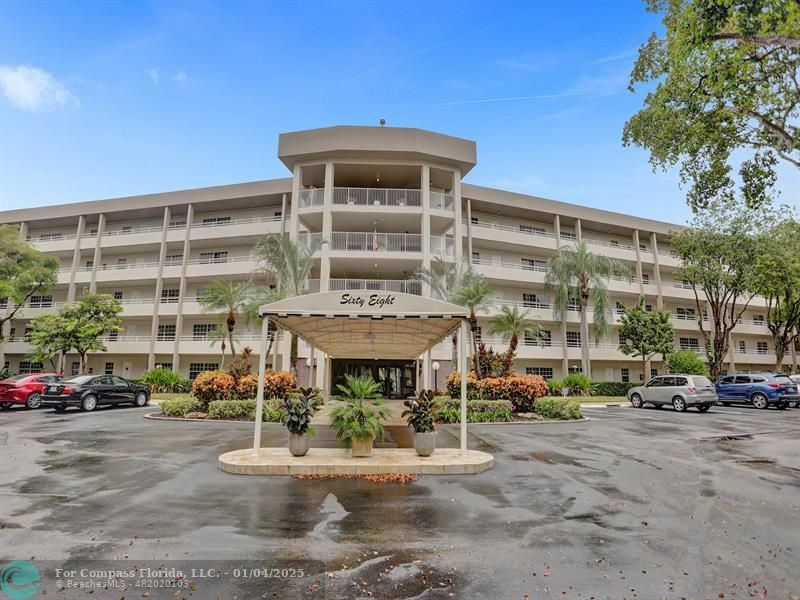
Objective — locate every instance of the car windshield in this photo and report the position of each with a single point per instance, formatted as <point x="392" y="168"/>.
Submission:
<point x="783" y="377"/>
<point x="702" y="381"/>
<point x="17" y="377"/>
<point x="80" y="379"/>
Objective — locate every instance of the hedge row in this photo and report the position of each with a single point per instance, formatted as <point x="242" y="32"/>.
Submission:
<point x="478" y="411"/>
<point x="553" y="407"/>
<point x="521" y="390"/>
<point x="245" y="410"/>
<point x="178" y="407"/>
<point x="613" y="388"/>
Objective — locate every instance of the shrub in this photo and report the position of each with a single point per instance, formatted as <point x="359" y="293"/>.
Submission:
<point x="247" y="386"/>
<point x="278" y="384"/>
<point x="362" y="387"/>
<point x="209" y="386"/>
<point x="612" y="388"/>
<point x="521" y="390"/>
<point x="178" y="407"/>
<point x="578" y="384"/>
<point x="478" y="411"/>
<point x="245" y="410"/>
<point x="558" y="408"/>
<point x="241" y="365"/>
<point x="686" y="361"/>
<point x="166" y="381"/>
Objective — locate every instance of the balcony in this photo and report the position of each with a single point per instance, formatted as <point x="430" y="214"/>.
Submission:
<point x="361" y="241"/>
<point x="349" y="196"/>
<point x="310" y="197"/>
<point x="402" y="286"/>
<point x="441" y="201"/>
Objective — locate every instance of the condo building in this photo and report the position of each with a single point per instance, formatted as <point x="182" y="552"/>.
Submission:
<point x="386" y="201"/>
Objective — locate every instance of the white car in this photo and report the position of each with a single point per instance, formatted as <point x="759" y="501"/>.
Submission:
<point x="795" y="379"/>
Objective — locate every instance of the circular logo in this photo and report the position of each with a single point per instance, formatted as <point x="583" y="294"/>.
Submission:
<point x="19" y="579"/>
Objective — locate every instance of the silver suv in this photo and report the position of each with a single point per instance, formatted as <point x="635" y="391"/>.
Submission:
<point x="679" y="390"/>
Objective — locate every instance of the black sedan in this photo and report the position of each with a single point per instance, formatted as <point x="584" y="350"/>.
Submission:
<point x="88" y="391"/>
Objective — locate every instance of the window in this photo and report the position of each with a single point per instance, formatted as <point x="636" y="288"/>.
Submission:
<point x="212" y="221"/>
<point x="478" y="333"/>
<point x="200" y="331"/>
<point x="166" y="333"/>
<point x="742" y="347"/>
<point x="113" y="336"/>
<point x="681" y="381"/>
<point x="568" y="235"/>
<point x="625" y="374"/>
<point x="164" y="365"/>
<point x="277" y="214"/>
<point x="645" y="278"/>
<point x="89" y="264"/>
<point x="4" y="302"/>
<point x="196" y="368"/>
<point x="119" y="381"/>
<point x="614" y="242"/>
<point x="531" y="229"/>
<point x="12" y="333"/>
<point x="476" y="257"/>
<point x="46" y="237"/>
<point x="126" y="229"/>
<point x="213" y="257"/>
<point x="687" y="343"/>
<point x="170" y="296"/>
<point x="530" y="340"/>
<point x="620" y="308"/>
<point x="642" y="247"/>
<point x="685" y="313"/>
<point x="109" y="368"/>
<point x="474" y="220"/>
<point x="648" y="308"/>
<point x="545" y="372"/>
<point x="75" y="368"/>
<point x="173" y="259"/>
<point x="653" y="372"/>
<point x="574" y="304"/>
<point x="762" y="348"/>
<point x="530" y="300"/>
<point x="741" y="379"/>
<point x="668" y="381"/>
<point x="118" y="295"/>
<point x="6" y="366"/>
<point x="575" y="369"/>
<point x="758" y="319"/>
<point x="531" y="264"/>
<point x="573" y="339"/>
<point x="545" y="338"/>
<point x="27" y="367"/>
<point x="177" y="223"/>
<point x="122" y="263"/>
<point x="41" y="301"/>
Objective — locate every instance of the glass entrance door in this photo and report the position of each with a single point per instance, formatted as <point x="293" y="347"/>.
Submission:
<point x="398" y="377"/>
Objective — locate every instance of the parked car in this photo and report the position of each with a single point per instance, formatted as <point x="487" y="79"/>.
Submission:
<point x="25" y="389"/>
<point x="759" y="389"/>
<point x="680" y="390"/>
<point x="89" y="391"/>
<point x="796" y="380"/>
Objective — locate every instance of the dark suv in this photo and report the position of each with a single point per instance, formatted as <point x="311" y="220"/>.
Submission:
<point x="759" y="389"/>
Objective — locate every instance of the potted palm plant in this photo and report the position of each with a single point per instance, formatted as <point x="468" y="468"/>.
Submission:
<point x="298" y="411"/>
<point x="419" y="415"/>
<point x="359" y="420"/>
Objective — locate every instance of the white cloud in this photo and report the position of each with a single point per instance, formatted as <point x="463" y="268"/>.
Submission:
<point x="33" y="89"/>
<point x="153" y="73"/>
<point x="624" y="55"/>
<point x="181" y="78"/>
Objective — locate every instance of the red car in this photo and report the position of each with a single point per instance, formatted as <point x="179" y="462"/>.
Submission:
<point x="25" y="389"/>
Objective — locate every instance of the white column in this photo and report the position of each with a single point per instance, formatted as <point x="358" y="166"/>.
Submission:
<point x="578" y="230"/>
<point x="463" y="368"/>
<point x="426" y="371"/>
<point x="262" y="367"/>
<point x="312" y="355"/>
<point x="469" y="229"/>
<point x="557" y="229"/>
<point x="151" y="355"/>
<point x="294" y="216"/>
<point x="562" y="326"/>
<point x="657" y="272"/>
<point x="98" y="252"/>
<point x="187" y="247"/>
<point x="327" y="228"/>
<point x="76" y="259"/>
<point x="458" y="228"/>
<point x="425" y="229"/>
<point x="638" y="261"/>
<point x="322" y="364"/>
<point x="283" y="214"/>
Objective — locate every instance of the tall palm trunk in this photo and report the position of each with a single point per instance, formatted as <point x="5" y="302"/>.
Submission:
<point x="293" y="354"/>
<point x="585" y="364"/>
<point x="231" y="322"/>
<point x="473" y="327"/>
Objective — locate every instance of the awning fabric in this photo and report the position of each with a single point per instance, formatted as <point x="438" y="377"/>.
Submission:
<point x="366" y="324"/>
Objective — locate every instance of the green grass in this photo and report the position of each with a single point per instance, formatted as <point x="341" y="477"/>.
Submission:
<point x="600" y="399"/>
<point x="156" y="398"/>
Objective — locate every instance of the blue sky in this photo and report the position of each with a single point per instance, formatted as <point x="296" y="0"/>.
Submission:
<point x="106" y="99"/>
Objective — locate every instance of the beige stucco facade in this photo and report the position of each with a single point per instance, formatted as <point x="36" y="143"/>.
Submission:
<point x="386" y="201"/>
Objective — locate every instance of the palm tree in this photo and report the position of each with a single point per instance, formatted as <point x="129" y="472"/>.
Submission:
<point x="260" y="295"/>
<point x="460" y="284"/>
<point x="229" y="297"/>
<point x="289" y="263"/>
<point x="219" y="334"/>
<point x="577" y="273"/>
<point x="513" y="323"/>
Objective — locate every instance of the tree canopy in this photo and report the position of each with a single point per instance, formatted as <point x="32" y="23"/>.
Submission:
<point x="727" y="80"/>
<point x="645" y="334"/>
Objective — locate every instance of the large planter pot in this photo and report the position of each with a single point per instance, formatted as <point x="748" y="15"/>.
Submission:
<point x="425" y="443"/>
<point x="362" y="447"/>
<point x="298" y="444"/>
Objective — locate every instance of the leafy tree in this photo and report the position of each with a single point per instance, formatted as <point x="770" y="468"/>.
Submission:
<point x="24" y="272"/>
<point x="513" y="323"/>
<point x="645" y="334"/>
<point x="232" y="298"/>
<point x="726" y="73"/>
<point x="48" y="336"/>
<point x="448" y="281"/>
<point x="778" y="270"/>
<point x="289" y="263"/>
<point x="474" y="296"/>
<point x="720" y="253"/>
<point x="686" y="361"/>
<point x="577" y="273"/>
<point x="77" y="327"/>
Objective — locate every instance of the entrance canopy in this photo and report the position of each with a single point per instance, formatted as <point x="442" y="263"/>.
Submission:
<point x="366" y="324"/>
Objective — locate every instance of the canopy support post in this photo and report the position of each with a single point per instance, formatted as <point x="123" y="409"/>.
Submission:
<point x="262" y="367"/>
<point x="463" y="369"/>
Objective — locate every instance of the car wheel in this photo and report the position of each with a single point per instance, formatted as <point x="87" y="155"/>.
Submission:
<point x="760" y="401"/>
<point x="781" y="405"/>
<point x="636" y="401"/>
<point x="792" y="405"/>
<point x="5" y="406"/>
<point x="704" y="407"/>
<point x="141" y="399"/>
<point x="34" y="400"/>
<point x="88" y="403"/>
<point x="679" y="404"/>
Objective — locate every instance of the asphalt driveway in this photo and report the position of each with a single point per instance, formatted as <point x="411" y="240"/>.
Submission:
<point x="630" y="504"/>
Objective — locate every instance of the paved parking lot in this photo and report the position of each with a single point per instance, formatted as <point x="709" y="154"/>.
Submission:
<point x="630" y="504"/>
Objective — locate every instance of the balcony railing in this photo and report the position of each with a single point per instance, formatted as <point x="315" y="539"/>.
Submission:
<point x="376" y="242"/>
<point x="376" y="196"/>
<point x="403" y="286"/>
<point x="521" y="228"/>
<point x="444" y="246"/>
<point x="442" y="201"/>
<point x="311" y="197"/>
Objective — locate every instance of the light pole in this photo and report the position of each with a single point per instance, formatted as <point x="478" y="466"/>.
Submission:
<point x="435" y="367"/>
